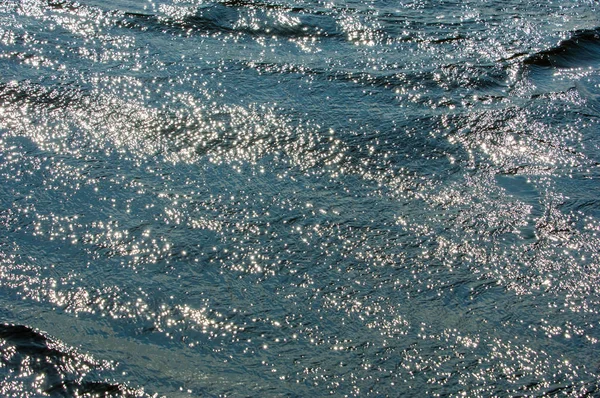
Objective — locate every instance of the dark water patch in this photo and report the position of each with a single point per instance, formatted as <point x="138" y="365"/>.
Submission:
<point x="267" y="6"/>
<point x="39" y="364"/>
<point x="582" y="49"/>
<point x="64" y="5"/>
<point x="35" y="95"/>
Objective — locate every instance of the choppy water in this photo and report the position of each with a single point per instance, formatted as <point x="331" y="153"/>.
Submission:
<point x="245" y="198"/>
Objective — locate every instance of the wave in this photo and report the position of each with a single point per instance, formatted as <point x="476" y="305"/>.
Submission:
<point x="231" y="19"/>
<point x="447" y="76"/>
<point x="239" y="18"/>
<point x="582" y="49"/>
<point x="52" y="367"/>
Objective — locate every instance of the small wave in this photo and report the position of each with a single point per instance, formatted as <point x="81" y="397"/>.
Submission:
<point x="229" y="18"/>
<point x="36" y="362"/>
<point x="486" y="78"/>
<point x="580" y="50"/>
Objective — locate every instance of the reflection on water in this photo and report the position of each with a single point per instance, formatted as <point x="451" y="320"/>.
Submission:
<point x="254" y="198"/>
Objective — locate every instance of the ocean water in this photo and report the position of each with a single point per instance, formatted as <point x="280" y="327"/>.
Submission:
<point x="310" y="198"/>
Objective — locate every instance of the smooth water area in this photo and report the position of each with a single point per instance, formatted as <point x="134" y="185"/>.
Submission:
<point x="310" y="198"/>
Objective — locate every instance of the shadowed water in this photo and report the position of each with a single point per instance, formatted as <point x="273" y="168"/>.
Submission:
<point x="247" y="198"/>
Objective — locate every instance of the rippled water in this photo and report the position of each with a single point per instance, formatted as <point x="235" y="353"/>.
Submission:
<point x="245" y="198"/>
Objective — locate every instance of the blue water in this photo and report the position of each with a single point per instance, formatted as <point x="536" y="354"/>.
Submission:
<point x="347" y="198"/>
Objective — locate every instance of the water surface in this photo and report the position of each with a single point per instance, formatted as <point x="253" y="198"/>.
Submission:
<point x="245" y="198"/>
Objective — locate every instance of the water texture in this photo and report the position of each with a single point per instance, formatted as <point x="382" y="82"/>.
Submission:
<point x="246" y="198"/>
